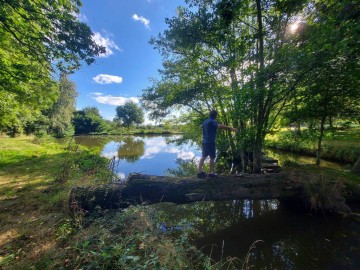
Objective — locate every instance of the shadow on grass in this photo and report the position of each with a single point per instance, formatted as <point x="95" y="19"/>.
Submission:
<point x="31" y="204"/>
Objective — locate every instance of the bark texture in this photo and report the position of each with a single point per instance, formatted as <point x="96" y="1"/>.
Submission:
<point x="139" y="188"/>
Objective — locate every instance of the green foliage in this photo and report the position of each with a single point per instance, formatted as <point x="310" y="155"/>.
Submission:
<point x="185" y="168"/>
<point x="242" y="59"/>
<point x="225" y="55"/>
<point x="131" y="240"/>
<point x="129" y="113"/>
<point x="37" y="39"/>
<point x="79" y="162"/>
<point x="62" y="111"/>
<point x="88" y="121"/>
<point x="47" y="31"/>
<point x="323" y="192"/>
<point x="338" y="145"/>
<point x="325" y="44"/>
<point x="24" y="106"/>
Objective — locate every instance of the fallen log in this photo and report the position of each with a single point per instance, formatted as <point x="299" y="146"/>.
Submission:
<point x="149" y="189"/>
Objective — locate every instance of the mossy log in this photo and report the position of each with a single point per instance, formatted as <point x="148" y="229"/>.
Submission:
<point x="139" y="188"/>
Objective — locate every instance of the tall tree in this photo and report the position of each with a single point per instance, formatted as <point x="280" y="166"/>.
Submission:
<point x="37" y="39"/>
<point x="63" y="109"/>
<point x="328" y="40"/>
<point x="129" y="113"/>
<point x="227" y="55"/>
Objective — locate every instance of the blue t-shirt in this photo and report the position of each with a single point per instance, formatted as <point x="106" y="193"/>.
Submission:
<point x="209" y="128"/>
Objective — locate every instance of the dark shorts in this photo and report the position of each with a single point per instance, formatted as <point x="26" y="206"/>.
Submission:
<point x="208" y="149"/>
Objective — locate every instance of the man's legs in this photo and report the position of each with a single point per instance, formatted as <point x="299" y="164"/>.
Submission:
<point x="201" y="173"/>
<point x="212" y="165"/>
<point x="201" y="164"/>
<point x="208" y="149"/>
<point x="212" y="154"/>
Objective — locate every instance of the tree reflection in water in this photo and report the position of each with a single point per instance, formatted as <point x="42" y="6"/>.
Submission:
<point x="291" y="240"/>
<point x="131" y="149"/>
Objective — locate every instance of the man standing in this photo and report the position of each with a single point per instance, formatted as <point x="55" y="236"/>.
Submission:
<point x="209" y="128"/>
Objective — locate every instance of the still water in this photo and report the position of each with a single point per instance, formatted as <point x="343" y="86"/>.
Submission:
<point x="147" y="154"/>
<point x="285" y="239"/>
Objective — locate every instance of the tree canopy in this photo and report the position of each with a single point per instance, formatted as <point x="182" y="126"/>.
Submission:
<point x="63" y="109"/>
<point x="88" y="121"/>
<point x="129" y="113"/>
<point x="38" y="39"/>
<point x="251" y="59"/>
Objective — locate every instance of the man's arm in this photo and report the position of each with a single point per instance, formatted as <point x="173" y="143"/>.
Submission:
<point x="227" y="127"/>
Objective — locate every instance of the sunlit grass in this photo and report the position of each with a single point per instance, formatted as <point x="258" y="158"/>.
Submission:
<point x="33" y="202"/>
<point x="340" y="145"/>
<point x="36" y="231"/>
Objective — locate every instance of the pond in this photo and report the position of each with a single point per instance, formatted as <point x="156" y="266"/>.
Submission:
<point x="147" y="154"/>
<point x="284" y="239"/>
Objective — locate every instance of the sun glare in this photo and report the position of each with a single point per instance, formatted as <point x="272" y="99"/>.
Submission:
<point x="294" y="26"/>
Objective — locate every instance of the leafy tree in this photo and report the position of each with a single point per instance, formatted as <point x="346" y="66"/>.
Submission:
<point x="88" y="121"/>
<point x="227" y="55"/>
<point x="241" y="58"/>
<point x="38" y="38"/>
<point x="63" y="109"/>
<point x="129" y="113"/>
<point x="47" y="31"/>
<point x="17" y="111"/>
<point x="332" y="88"/>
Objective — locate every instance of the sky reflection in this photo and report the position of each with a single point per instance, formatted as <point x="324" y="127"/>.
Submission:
<point x="147" y="155"/>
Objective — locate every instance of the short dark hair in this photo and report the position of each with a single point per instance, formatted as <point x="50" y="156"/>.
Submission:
<point x="213" y="114"/>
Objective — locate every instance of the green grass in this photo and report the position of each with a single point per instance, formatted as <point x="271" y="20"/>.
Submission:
<point x="339" y="145"/>
<point x="37" y="232"/>
<point x="33" y="196"/>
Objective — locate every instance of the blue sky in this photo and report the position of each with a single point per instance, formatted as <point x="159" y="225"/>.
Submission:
<point x="124" y="27"/>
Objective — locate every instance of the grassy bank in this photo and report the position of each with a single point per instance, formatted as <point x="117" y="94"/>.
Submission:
<point x="145" y="130"/>
<point x="339" y="145"/>
<point x="35" y="177"/>
<point x="37" y="232"/>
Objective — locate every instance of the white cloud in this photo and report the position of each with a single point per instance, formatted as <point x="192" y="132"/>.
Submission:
<point x="112" y="100"/>
<point x="156" y="142"/>
<point x="185" y="155"/>
<point x="180" y="153"/>
<point x="107" y="79"/>
<point x="110" y="154"/>
<point x="143" y="20"/>
<point x="109" y="44"/>
<point x="121" y="175"/>
<point x="150" y="152"/>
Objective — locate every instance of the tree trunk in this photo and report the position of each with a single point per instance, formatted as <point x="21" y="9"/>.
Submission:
<point x="260" y="112"/>
<point x="138" y="189"/>
<point x="318" y="151"/>
<point x="257" y="155"/>
<point x="356" y="168"/>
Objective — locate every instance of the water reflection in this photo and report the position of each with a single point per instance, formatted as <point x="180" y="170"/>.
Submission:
<point x="148" y="155"/>
<point x="290" y="240"/>
<point x="283" y="157"/>
<point x="131" y="149"/>
<point x="210" y="217"/>
<point x="94" y="141"/>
